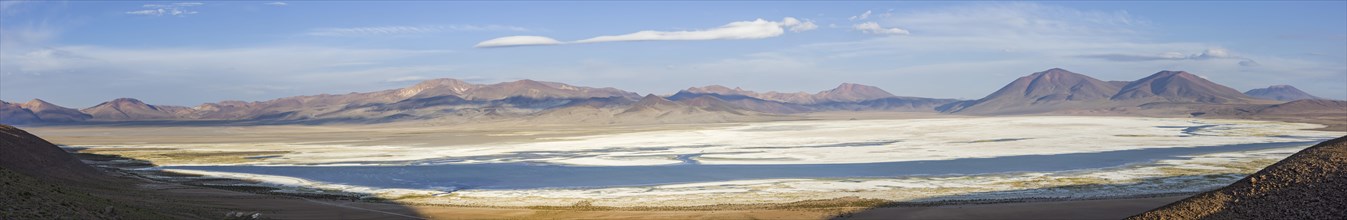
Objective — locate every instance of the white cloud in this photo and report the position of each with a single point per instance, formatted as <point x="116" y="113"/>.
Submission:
<point x="513" y="41"/>
<point x="1213" y="53"/>
<point x="802" y="26"/>
<point x="874" y="28"/>
<point x="1173" y="55"/>
<point x="739" y="30"/>
<point x="862" y="16"/>
<point x="402" y="30"/>
<point x="276" y="3"/>
<point x="174" y="9"/>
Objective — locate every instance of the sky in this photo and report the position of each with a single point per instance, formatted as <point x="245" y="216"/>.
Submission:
<point x="80" y="53"/>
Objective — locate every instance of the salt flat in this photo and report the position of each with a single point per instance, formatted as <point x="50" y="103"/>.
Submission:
<point x="795" y="142"/>
<point x="1184" y="175"/>
<point x="791" y="142"/>
<point x="867" y="141"/>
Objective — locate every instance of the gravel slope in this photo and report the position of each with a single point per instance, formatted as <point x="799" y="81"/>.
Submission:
<point x="1308" y="185"/>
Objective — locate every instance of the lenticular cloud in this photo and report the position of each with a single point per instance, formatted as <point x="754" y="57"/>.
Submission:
<point x="739" y="30"/>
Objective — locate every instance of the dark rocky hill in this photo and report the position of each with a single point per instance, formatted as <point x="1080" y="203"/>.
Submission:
<point x="1307" y="185"/>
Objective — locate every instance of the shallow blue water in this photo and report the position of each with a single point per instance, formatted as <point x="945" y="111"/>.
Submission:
<point x="531" y="176"/>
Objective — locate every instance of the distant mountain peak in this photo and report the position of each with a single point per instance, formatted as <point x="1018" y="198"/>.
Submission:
<point x="46" y="111"/>
<point x="126" y="101"/>
<point x="1050" y="87"/>
<point x="1179" y="86"/>
<point x="128" y="109"/>
<point x="1056" y="71"/>
<point x="441" y="86"/>
<point x="533" y="83"/>
<point x="719" y="89"/>
<point x="845" y="92"/>
<point x="440" y="82"/>
<point x="853" y="86"/>
<point x="36" y="103"/>
<point x="1280" y="93"/>
<point x="851" y="92"/>
<point x="652" y="102"/>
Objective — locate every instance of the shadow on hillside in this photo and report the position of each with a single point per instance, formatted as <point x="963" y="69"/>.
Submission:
<point x="180" y="195"/>
<point x="1082" y="201"/>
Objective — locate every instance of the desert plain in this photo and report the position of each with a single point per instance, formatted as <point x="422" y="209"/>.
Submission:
<point x="802" y="140"/>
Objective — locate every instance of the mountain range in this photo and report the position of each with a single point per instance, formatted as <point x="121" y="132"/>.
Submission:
<point x="1052" y="91"/>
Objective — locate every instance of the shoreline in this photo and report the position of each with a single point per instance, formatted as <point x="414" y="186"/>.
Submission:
<point x="252" y="185"/>
<point x="835" y="203"/>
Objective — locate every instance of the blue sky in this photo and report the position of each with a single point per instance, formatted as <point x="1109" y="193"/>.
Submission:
<point x="80" y="53"/>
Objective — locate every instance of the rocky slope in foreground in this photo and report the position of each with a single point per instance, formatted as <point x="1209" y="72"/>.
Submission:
<point x="27" y="154"/>
<point x="1307" y="185"/>
<point x="39" y="180"/>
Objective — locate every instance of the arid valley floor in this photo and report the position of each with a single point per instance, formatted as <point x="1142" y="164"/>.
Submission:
<point x="1114" y="191"/>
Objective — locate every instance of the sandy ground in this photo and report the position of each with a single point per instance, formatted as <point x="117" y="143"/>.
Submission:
<point x="1082" y="209"/>
<point x="509" y="213"/>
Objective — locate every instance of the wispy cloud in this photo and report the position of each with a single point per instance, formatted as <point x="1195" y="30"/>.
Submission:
<point x="514" y="41"/>
<point x="862" y="16"/>
<point x="874" y="28"/>
<point x="276" y="3"/>
<point x="1008" y="19"/>
<point x="739" y="30"/>
<point x="755" y="29"/>
<point x="402" y="30"/>
<point x="173" y="9"/>
<point x="1210" y="53"/>
<point x="405" y="79"/>
<point x="24" y="37"/>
